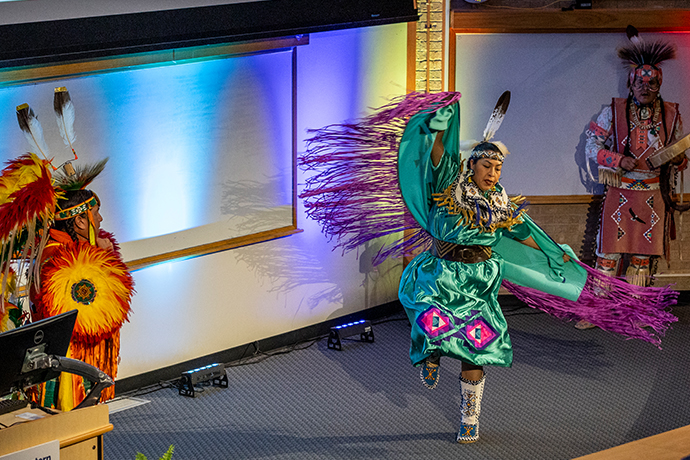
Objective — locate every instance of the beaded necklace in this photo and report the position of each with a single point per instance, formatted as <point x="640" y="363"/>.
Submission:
<point x="647" y="118"/>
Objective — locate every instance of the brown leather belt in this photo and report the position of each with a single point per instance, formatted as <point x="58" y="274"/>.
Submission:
<point x="460" y="253"/>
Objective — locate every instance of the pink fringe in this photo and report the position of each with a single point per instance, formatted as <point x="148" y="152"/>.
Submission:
<point x="611" y="304"/>
<point x="354" y="191"/>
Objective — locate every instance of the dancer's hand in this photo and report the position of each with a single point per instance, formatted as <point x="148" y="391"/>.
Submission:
<point x="104" y="244"/>
<point x="628" y="163"/>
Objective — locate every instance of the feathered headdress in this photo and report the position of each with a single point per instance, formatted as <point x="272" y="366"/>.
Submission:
<point x="485" y="148"/>
<point x="645" y="58"/>
<point x="27" y="206"/>
<point x="29" y="192"/>
<point x="80" y="177"/>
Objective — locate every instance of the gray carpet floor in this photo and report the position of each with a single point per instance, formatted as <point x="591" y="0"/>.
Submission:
<point x="568" y="394"/>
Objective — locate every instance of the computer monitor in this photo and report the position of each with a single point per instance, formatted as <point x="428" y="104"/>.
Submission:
<point x="50" y="336"/>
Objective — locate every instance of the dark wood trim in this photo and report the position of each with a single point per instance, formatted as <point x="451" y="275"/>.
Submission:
<point x="556" y="21"/>
<point x="452" y="62"/>
<point x="215" y="246"/>
<point x="572" y="199"/>
<point x="575" y="21"/>
<point x="562" y="199"/>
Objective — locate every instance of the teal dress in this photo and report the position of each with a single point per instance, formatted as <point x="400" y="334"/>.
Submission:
<point x="453" y="306"/>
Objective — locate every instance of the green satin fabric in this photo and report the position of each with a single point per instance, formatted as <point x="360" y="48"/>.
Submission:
<point x="452" y="306"/>
<point x="464" y="292"/>
<point x="445" y="300"/>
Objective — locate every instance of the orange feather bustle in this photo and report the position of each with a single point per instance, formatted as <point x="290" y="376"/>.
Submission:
<point x="89" y="279"/>
<point x="95" y="282"/>
<point x="104" y="355"/>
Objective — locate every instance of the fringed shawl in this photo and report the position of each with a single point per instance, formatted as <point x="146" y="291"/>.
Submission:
<point x="354" y="194"/>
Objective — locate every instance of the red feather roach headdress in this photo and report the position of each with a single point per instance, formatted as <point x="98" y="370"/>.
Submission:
<point x="644" y="58"/>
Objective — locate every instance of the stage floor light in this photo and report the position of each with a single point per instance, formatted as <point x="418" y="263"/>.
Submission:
<point x="215" y="373"/>
<point x="361" y="327"/>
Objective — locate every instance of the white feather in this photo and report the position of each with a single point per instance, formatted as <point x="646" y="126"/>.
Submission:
<point x="497" y="116"/>
<point x="35" y="137"/>
<point x="66" y="124"/>
<point x="467" y="146"/>
<point x="502" y="147"/>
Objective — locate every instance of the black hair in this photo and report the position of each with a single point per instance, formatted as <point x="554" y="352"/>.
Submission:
<point x="487" y="147"/>
<point x="71" y="198"/>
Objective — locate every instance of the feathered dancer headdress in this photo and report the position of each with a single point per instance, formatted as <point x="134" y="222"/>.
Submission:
<point x="29" y="192"/>
<point x="485" y="148"/>
<point x="645" y="58"/>
<point x="80" y="178"/>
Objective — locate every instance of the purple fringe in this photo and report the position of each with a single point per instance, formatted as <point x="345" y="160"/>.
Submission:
<point x="353" y="191"/>
<point x="354" y="194"/>
<point x="611" y="304"/>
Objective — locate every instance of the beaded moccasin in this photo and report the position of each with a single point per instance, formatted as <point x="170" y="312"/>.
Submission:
<point x="470" y="407"/>
<point x="429" y="373"/>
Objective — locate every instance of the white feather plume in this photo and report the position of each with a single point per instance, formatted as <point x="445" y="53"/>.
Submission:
<point x="497" y="116"/>
<point x="33" y="131"/>
<point x="64" y="114"/>
<point x="502" y="147"/>
<point x="468" y="145"/>
<point x="633" y="35"/>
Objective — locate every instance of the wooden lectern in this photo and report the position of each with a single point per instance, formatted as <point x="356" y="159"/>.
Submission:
<point x="79" y="431"/>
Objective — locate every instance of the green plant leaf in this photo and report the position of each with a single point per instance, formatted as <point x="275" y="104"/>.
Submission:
<point x="168" y="454"/>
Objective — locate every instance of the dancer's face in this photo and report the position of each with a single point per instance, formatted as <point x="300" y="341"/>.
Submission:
<point x="645" y="92"/>
<point x="486" y="172"/>
<point x="81" y="222"/>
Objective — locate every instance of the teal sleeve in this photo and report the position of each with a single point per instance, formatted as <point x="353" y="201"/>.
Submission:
<point x="518" y="232"/>
<point x="445" y="172"/>
<point x="543" y="270"/>
<point x="417" y="177"/>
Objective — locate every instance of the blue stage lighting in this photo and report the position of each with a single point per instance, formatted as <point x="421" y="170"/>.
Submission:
<point x="213" y="372"/>
<point x="361" y="327"/>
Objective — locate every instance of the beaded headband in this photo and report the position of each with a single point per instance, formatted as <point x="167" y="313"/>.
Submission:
<point x="490" y="150"/>
<point x="78" y="209"/>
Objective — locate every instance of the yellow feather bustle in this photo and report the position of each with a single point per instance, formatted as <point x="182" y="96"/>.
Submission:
<point x="89" y="279"/>
<point x="97" y="284"/>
